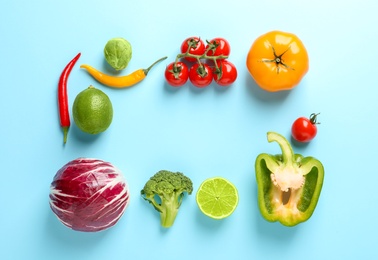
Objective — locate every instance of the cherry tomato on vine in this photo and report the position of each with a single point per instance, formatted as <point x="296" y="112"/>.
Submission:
<point x="200" y="75"/>
<point x="195" y="45"/>
<point x="304" y="129"/>
<point x="226" y="73"/>
<point x="277" y="61"/>
<point x="218" y="46"/>
<point x="177" y="74"/>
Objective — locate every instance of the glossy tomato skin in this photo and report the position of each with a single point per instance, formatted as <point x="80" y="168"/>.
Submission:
<point x="177" y="74"/>
<point x="223" y="47"/>
<point x="227" y="73"/>
<point x="303" y="130"/>
<point x="197" y="49"/>
<point x="277" y="61"/>
<point x="200" y="75"/>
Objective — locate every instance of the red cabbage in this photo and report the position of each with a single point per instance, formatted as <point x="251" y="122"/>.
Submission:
<point x="89" y="195"/>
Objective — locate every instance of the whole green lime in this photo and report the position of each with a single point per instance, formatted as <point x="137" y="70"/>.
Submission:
<point x="92" y="111"/>
<point x="118" y="53"/>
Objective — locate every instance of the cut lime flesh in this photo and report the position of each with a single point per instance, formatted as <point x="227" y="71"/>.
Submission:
<point x="217" y="198"/>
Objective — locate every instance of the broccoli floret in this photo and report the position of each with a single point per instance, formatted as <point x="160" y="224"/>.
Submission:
<point x="165" y="191"/>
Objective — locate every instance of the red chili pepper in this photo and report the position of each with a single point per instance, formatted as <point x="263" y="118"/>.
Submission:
<point x="63" y="97"/>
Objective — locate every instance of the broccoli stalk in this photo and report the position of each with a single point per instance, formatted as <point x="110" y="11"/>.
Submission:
<point x="168" y="210"/>
<point x="165" y="191"/>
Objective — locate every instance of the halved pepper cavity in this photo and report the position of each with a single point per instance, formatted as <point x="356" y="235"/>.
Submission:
<point x="288" y="184"/>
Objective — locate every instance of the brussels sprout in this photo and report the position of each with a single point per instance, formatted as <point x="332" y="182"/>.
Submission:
<point x="118" y="53"/>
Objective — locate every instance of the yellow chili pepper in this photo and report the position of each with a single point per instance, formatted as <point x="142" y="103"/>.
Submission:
<point x="122" y="81"/>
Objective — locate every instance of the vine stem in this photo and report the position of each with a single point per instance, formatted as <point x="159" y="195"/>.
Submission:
<point x="199" y="57"/>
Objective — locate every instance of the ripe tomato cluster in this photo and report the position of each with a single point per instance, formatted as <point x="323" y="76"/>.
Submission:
<point x="202" y="63"/>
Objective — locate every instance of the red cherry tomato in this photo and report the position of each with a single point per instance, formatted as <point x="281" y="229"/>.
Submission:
<point x="195" y="45"/>
<point x="226" y="73"/>
<point x="304" y="129"/>
<point x="200" y="75"/>
<point x="218" y="46"/>
<point x="177" y="74"/>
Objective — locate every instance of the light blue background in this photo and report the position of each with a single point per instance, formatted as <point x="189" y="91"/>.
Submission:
<point x="202" y="133"/>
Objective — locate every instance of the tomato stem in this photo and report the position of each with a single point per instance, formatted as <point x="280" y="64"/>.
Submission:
<point x="211" y="46"/>
<point x="278" y="59"/>
<point x="176" y="70"/>
<point x="201" y="70"/>
<point x="313" y="118"/>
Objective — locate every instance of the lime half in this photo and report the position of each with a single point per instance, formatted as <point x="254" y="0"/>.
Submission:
<point x="217" y="197"/>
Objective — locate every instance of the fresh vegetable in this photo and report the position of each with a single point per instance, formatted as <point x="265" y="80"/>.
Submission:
<point x="207" y="63"/>
<point x="165" y="191"/>
<point x="218" y="47"/>
<point x="304" y="129"/>
<point x="118" y="53"/>
<point x="277" y="61"/>
<point x="64" y="114"/>
<point x="89" y="195"/>
<point x="226" y="73"/>
<point x="288" y="184"/>
<point x="119" y="81"/>
<point x="201" y="75"/>
<point x="177" y="74"/>
<point x="92" y="111"/>
<point x="217" y="197"/>
<point x="194" y="46"/>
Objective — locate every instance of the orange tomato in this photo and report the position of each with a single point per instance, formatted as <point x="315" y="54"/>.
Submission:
<point x="277" y="61"/>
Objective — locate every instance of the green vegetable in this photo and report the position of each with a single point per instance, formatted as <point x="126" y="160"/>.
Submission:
<point x="165" y="191"/>
<point x="288" y="184"/>
<point x="118" y="53"/>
